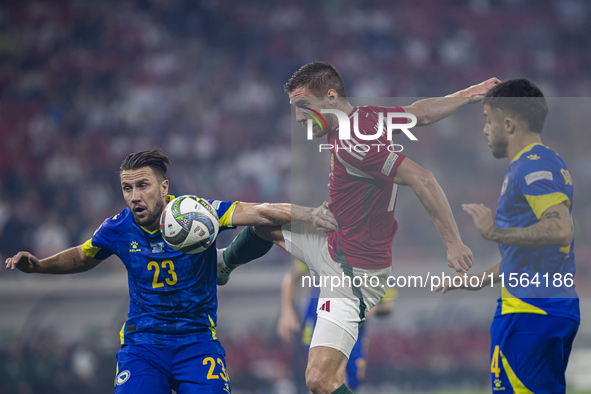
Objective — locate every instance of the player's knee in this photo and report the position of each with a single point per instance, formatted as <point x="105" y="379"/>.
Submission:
<point x="319" y="382"/>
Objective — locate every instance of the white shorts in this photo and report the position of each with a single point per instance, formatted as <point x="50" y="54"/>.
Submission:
<point x="346" y="293"/>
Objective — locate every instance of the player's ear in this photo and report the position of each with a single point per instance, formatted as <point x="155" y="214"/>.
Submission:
<point x="509" y="124"/>
<point x="164" y="187"/>
<point x="332" y="97"/>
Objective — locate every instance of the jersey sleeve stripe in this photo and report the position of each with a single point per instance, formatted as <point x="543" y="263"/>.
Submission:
<point x="226" y="219"/>
<point x="90" y="250"/>
<point x="122" y="334"/>
<point x="540" y="203"/>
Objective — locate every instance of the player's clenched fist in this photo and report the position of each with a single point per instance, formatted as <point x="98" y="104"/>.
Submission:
<point x="459" y="257"/>
<point x="24" y="261"/>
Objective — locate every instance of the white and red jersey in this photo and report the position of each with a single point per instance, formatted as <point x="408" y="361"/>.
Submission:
<point x="362" y="194"/>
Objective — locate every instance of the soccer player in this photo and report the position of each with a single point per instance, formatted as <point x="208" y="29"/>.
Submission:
<point x="169" y="339"/>
<point x="537" y="315"/>
<point x="362" y="194"/>
<point x="289" y="325"/>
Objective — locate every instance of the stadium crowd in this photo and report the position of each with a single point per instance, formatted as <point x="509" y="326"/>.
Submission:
<point x="84" y="83"/>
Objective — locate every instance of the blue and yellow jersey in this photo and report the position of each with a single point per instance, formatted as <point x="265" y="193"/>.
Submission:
<point x="173" y="296"/>
<point x="537" y="179"/>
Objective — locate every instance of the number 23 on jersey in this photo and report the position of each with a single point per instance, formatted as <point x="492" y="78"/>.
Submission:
<point x="158" y="281"/>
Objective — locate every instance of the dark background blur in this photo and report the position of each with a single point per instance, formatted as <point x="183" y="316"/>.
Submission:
<point x="84" y="83"/>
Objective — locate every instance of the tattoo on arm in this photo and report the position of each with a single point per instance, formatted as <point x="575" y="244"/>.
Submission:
<point x="551" y="215"/>
<point x="547" y="232"/>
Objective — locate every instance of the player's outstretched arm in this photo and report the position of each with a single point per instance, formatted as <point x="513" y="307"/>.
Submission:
<point x="69" y="261"/>
<point x="423" y="184"/>
<point x="553" y="229"/>
<point x="484" y="278"/>
<point x="252" y="214"/>
<point x="263" y="229"/>
<point x="431" y="110"/>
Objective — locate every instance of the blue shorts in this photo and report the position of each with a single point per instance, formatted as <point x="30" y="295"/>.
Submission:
<point x="529" y="353"/>
<point x="187" y="368"/>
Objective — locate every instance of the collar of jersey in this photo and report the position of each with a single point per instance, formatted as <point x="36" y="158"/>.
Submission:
<point x="150" y="232"/>
<point x="526" y="149"/>
<point x="168" y="198"/>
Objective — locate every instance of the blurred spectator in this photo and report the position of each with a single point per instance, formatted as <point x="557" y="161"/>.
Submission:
<point x="50" y="237"/>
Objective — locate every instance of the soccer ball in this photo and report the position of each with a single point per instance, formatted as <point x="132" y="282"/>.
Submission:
<point x="189" y="224"/>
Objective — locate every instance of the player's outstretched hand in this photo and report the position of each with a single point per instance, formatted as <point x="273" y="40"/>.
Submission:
<point x="288" y="326"/>
<point x="459" y="257"/>
<point x="324" y="220"/>
<point x="476" y="92"/>
<point x="483" y="217"/>
<point x="23" y="261"/>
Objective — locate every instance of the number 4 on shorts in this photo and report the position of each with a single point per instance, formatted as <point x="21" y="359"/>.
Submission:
<point x="494" y="365"/>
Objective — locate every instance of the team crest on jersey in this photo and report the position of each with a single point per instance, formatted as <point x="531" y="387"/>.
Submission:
<point x="122" y="377"/>
<point x="157" y="247"/>
<point x="505" y="183"/>
<point x="533" y="157"/>
<point x="536" y="176"/>
<point x="133" y="247"/>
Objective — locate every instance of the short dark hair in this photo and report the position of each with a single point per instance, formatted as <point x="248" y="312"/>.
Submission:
<point x="147" y="158"/>
<point x="318" y="78"/>
<point x="521" y="98"/>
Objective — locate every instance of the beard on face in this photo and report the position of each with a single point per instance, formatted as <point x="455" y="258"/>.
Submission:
<point x="152" y="216"/>
<point x="499" y="148"/>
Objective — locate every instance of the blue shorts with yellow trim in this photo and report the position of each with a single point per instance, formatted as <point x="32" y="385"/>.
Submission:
<point x="529" y="353"/>
<point x="188" y="368"/>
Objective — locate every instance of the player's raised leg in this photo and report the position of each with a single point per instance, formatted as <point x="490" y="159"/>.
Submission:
<point x="255" y="242"/>
<point x="247" y="246"/>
